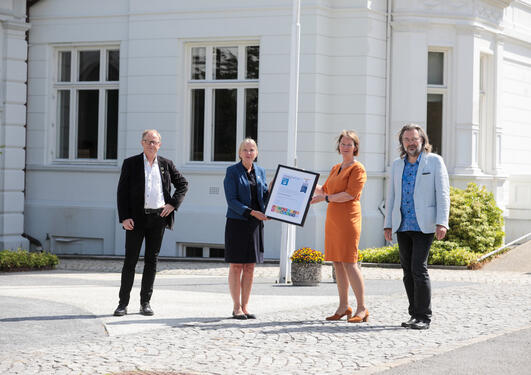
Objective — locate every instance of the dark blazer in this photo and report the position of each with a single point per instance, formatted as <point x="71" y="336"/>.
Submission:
<point x="238" y="191"/>
<point x="131" y="189"/>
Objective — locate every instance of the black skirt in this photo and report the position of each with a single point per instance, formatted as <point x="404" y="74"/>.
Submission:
<point x="244" y="241"/>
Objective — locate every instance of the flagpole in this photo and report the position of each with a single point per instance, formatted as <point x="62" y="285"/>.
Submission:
<point x="288" y="230"/>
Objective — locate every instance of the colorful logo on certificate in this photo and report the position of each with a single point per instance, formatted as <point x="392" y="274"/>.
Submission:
<point x="284" y="211"/>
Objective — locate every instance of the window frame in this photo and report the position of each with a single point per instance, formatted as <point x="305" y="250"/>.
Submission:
<point x="209" y="84"/>
<point x="74" y="86"/>
<point x="182" y="247"/>
<point x="440" y="90"/>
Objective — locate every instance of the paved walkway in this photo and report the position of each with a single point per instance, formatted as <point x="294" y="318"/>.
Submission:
<point x="516" y="260"/>
<point x="60" y="322"/>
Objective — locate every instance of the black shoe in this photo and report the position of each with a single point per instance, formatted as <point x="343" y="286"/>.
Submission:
<point x="409" y="322"/>
<point x="145" y="309"/>
<point x="239" y="316"/>
<point x="250" y="316"/>
<point x="420" y="325"/>
<point x="121" y="310"/>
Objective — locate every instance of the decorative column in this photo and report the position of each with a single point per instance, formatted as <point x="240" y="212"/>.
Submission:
<point x="500" y="185"/>
<point x="13" y="55"/>
<point x="409" y="71"/>
<point x="466" y="140"/>
<point x="497" y="167"/>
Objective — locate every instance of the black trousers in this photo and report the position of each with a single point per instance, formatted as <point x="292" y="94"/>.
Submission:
<point x="414" y="249"/>
<point x="153" y="231"/>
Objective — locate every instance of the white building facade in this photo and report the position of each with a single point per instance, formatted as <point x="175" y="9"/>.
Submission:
<point x="13" y="68"/>
<point x="208" y="73"/>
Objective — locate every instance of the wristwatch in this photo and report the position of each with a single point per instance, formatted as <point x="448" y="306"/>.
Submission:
<point x="326" y="199"/>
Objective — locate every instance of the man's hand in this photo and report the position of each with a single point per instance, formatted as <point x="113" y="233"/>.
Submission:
<point x="388" y="234"/>
<point x="168" y="209"/>
<point x="128" y="224"/>
<point x="440" y="232"/>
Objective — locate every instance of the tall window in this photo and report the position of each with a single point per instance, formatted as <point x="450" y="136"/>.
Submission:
<point x="437" y="90"/>
<point x="223" y="99"/>
<point x="87" y="103"/>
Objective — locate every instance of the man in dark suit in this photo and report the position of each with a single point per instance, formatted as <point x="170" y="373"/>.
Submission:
<point x="145" y="208"/>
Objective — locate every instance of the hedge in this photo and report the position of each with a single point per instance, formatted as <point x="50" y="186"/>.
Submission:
<point x="24" y="260"/>
<point x="442" y="253"/>
<point x="476" y="227"/>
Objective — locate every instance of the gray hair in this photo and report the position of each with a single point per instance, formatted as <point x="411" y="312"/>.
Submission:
<point x="145" y="132"/>
<point x="426" y="147"/>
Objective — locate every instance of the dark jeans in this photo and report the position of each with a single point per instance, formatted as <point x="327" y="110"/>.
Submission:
<point x="414" y="249"/>
<point x="152" y="231"/>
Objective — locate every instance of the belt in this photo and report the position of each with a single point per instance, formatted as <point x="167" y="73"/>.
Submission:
<point x="152" y="211"/>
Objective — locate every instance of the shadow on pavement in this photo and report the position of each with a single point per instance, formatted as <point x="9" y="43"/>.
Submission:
<point x="208" y="324"/>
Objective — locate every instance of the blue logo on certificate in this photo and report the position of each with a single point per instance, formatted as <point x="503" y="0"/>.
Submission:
<point x="285" y="181"/>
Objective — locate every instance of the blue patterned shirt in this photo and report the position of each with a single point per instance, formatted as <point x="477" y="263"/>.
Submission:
<point x="407" y="206"/>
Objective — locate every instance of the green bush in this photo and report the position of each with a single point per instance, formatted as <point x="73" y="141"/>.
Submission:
<point x="449" y="253"/>
<point x="475" y="220"/>
<point x="387" y="254"/>
<point x="22" y="259"/>
<point x="445" y="253"/>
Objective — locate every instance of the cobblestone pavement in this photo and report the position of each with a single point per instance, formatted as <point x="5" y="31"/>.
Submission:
<point x="290" y="336"/>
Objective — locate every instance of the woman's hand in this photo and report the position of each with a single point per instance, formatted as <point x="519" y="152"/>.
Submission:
<point x="318" y="198"/>
<point x="259" y="215"/>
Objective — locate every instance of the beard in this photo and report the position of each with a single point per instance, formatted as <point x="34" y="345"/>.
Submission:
<point x="414" y="151"/>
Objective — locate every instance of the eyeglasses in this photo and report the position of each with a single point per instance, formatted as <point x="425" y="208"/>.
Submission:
<point x="346" y="145"/>
<point x="412" y="140"/>
<point x="151" y="143"/>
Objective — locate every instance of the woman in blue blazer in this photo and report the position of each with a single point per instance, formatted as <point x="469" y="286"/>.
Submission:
<point x="246" y="193"/>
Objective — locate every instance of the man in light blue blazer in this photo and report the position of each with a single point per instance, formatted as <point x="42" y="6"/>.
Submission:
<point x="417" y="207"/>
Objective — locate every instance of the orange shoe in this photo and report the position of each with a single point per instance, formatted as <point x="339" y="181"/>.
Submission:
<point x="348" y="313"/>
<point x="359" y="319"/>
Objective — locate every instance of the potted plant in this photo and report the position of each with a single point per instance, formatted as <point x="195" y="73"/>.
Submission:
<point x="306" y="266"/>
<point x="360" y="259"/>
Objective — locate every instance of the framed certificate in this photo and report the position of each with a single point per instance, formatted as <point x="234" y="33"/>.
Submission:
<point x="290" y="195"/>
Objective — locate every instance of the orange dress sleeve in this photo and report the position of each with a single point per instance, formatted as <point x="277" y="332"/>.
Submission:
<point x="356" y="180"/>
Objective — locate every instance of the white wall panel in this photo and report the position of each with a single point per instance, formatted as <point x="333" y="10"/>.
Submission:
<point x="14" y="135"/>
<point x="516" y="152"/>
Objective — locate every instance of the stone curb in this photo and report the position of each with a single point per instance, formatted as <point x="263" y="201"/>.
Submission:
<point x="266" y="261"/>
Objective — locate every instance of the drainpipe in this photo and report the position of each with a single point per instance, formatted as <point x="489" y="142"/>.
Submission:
<point x="32" y="240"/>
<point x="388" y="86"/>
<point x="388" y="136"/>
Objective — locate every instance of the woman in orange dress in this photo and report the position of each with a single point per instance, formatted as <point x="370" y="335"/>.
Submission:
<point x="342" y="192"/>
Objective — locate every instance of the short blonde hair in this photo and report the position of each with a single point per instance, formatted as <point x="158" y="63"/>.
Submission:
<point x="145" y="132"/>
<point x="352" y="135"/>
<point x="244" y="142"/>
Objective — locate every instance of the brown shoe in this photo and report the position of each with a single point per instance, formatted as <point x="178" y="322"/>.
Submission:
<point x="359" y="319"/>
<point x="348" y="313"/>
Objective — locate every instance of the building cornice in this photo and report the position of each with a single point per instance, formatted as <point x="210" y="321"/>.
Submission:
<point x="488" y="12"/>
